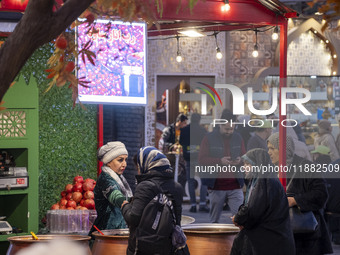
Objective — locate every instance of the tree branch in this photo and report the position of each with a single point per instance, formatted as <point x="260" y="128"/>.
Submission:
<point x="38" y="26"/>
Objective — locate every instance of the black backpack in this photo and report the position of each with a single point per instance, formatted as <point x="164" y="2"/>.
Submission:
<point x="153" y="234"/>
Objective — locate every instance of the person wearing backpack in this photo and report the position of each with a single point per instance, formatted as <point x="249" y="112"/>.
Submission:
<point x="149" y="234"/>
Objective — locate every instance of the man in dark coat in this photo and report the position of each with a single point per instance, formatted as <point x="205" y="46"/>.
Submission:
<point x="263" y="217"/>
<point x="191" y="138"/>
<point x="169" y="136"/>
<point x="152" y="165"/>
<point x="308" y="191"/>
<point x="223" y="148"/>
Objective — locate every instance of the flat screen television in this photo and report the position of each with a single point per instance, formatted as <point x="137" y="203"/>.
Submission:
<point x="119" y="73"/>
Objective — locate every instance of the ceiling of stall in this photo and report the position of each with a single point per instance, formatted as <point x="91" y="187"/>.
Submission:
<point x="206" y="15"/>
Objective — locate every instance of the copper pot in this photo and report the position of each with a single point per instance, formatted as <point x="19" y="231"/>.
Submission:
<point x="211" y="238"/>
<point x="20" y="242"/>
<point x="113" y="242"/>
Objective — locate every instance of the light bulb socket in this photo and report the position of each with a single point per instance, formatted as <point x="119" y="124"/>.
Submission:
<point x="256" y="47"/>
<point x="276" y="30"/>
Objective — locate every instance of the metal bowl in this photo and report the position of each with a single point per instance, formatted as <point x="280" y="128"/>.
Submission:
<point x="211" y="228"/>
<point x="187" y="220"/>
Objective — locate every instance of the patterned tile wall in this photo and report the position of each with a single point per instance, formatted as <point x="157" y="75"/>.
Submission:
<point x="308" y="55"/>
<point x="198" y="57"/>
<point x="242" y="66"/>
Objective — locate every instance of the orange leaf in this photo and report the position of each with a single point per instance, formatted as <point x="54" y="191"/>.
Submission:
<point x="49" y="70"/>
<point x="51" y="75"/>
<point x="11" y="85"/>
<point x="310" y="4"/>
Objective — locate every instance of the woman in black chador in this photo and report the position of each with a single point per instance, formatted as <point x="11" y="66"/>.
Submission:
<point x="263" y="218"/>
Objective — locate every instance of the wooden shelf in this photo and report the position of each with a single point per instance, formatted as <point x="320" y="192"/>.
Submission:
<point x="14" y="192"/>
<point x="20" y="139"/>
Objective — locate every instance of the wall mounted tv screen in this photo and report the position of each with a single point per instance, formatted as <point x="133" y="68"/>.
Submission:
<point x="119" y="73"/>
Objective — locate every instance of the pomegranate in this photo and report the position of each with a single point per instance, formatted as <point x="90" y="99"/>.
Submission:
<point x="63" y="193"/>
<point x="81" y="203"/>
<point x="89" y="18"/>
<point x="78" y="178"/>
<point x="68" y="188"/>
<point x="77" y="196"/>
<point x="69" y="68"/>
<point x="55" y="207"/>
<point x="89" y="203"/>
<point x="71" y="203"/>
<point x="77" y="187"/>
<point x="61" y="42"/>
<point x="63" y="202"/>
<point x="88" y="186"/>
<point x="90" y="180"/>
<point x="69" y="196"/>
<point x="89" y="194"/>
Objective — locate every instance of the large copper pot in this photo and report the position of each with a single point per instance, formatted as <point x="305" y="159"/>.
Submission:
<point x="18" y="243"/>
<point x="113" y="242"/>
<point x="211" y="238"/>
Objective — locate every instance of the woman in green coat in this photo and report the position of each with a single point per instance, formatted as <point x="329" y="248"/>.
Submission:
<point x="111" y="187"/>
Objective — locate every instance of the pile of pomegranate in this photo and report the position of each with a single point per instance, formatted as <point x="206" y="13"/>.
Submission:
<point x="77" y="196"/>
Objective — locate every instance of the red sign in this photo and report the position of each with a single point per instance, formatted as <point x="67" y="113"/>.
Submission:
<point x="20" y="180"/>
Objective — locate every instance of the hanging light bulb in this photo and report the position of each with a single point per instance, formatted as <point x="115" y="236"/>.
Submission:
<point x="275" y="34"/>
<point x="179" y="56"/>
<point x="226" y="6"/>
<point x="218" y="53"/>
<point x="255" y="52"/>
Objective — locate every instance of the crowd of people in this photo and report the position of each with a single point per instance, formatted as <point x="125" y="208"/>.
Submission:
<point x="260" y="205"/>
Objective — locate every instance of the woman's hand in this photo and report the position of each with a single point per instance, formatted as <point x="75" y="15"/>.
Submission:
<point x="124" y="202"/>
<point x="237" y="225"/>
<point x="291" y="201"/>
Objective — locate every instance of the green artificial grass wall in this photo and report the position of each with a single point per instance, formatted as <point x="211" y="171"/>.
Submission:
<point x="67" y="135"/>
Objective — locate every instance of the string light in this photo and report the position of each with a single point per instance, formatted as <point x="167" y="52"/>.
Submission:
<point x="218" y="51"/>
<point x="226" y="6"/>
<point x="275" y="34"/>
<point x="179" y="56"/>
<point x="255" y="52"/>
